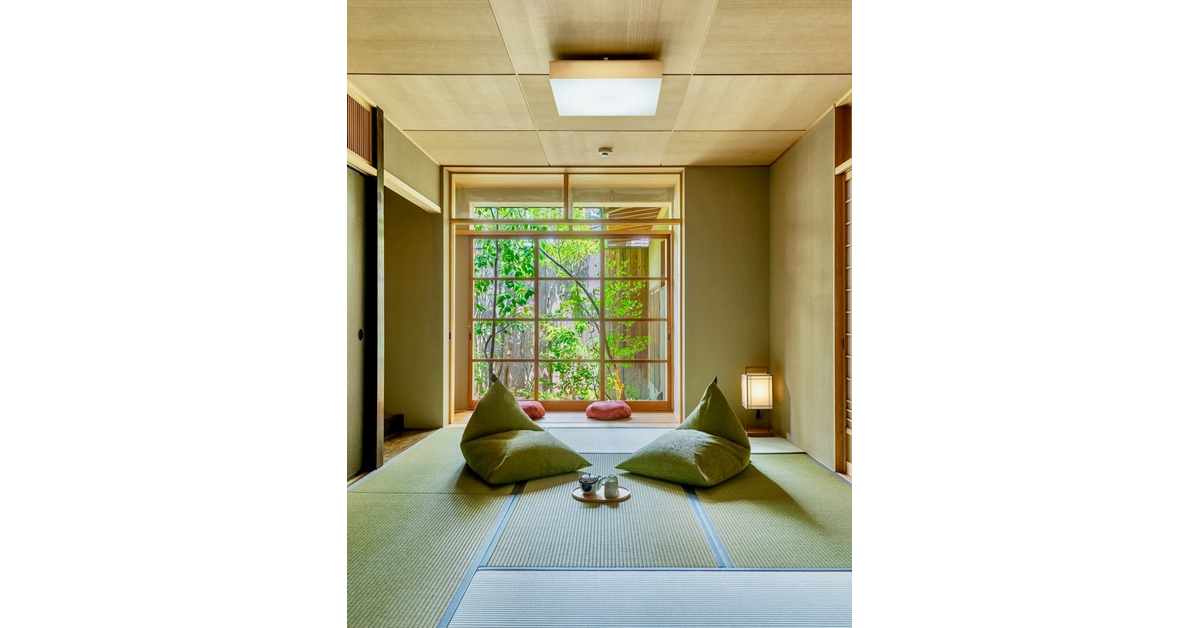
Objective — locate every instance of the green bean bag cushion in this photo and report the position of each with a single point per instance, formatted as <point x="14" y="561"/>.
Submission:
<point x="708" y="448"/>
<point x="503" y="445"/>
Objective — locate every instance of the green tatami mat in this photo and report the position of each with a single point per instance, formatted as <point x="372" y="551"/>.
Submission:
<point x="434" y="465"/>
<point x="607" y="440"/>
<point x="406" y="554"/>
<point x="616" y="440"/>
<point x="783" y="512"/>
<point x="655" y="527"/>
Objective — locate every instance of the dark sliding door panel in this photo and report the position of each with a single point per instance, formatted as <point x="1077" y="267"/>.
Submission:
<point x="356" y="245"/>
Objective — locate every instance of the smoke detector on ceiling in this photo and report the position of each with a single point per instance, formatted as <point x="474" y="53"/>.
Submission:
<point x="605" y="151"/>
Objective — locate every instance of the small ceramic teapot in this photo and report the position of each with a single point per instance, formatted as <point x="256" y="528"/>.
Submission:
<point x="610" y="486"/>
<point x="587" y="482"/>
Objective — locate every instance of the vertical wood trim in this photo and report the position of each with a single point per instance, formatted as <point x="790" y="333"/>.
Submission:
<point x="373" y="393"/>
<point x="604" y="348"/>
<point x="537" y="317"/>
<point x="842" y="143"/>
<point x="839" y="326"/>
<point x="377" y="150"/>
<point x="451" y="261"/>
<point x="569" y="212"/>
<point x="841" y="153"/>
<point x="677" y="290"/>
<point x="669" y="265"/>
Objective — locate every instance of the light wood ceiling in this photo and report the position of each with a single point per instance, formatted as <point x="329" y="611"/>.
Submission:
<point x="482" y="102"/>
<point x="481" y="148"/>
<point x="467" y="80"/>
<point x="764" y="37"/>
<point x="581" y="148"/>
<point x="727" y="148"/>
<point x="757" y="103"/>
<point x="424" y="37"/>
<point x="540" y="31"/>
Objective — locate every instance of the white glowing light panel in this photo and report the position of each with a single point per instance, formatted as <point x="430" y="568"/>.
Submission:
<point x="606" y="96"/>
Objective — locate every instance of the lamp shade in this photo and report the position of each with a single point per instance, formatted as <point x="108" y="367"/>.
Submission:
<point x="756" y="391"/>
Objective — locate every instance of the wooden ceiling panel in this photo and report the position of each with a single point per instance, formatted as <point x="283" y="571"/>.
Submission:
<point x="546" y="118"/>
<point x="727" y="148"/>
<point x="540" y="31"/>
<point x="773" y="102"/>
<point x="581" y="148"/>
<point x="424" y="37"/>
<point x="449" y="102"/>
<point x="467" y="79"/>
<point x="481" y="148"/>
<point x="773" y="37"/>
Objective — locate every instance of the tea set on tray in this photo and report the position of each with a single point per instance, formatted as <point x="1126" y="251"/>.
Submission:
<point x="596" y="489"/>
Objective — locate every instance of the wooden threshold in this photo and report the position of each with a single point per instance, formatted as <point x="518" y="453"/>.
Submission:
<point x="578" y="419"/>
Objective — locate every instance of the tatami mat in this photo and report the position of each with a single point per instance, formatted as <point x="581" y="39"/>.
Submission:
<point x="782" y="511"/>
<point x="607" y="440"/>
<point x="406" y="554"/>
<point x="619" y="599"/>
<point x="655" y="527"/>
<point x="772" y="445"/>
<point x="617" y="440"/>
<point x="434" y="465"/>
<point x="417" y="526"/>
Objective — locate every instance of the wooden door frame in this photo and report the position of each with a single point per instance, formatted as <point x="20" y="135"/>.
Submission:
<point x="373" y="332"/>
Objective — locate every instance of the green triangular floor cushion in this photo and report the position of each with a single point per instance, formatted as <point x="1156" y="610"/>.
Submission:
<point x="705" y="450"/>
<point x="503" y="445"/>
<point x="689" y="457"/>
<point x="497" y="412"/>
<point x="520" y="455"/>
<point x="714" y="416"/>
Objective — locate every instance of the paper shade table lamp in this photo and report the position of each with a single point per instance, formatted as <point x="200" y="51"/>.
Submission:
<point x="757" y="391"/>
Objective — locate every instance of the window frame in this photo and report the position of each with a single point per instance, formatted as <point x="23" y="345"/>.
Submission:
<point x="602" y="320"/>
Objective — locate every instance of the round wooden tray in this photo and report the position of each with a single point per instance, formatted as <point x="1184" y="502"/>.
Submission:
<point x="598" y="496"/>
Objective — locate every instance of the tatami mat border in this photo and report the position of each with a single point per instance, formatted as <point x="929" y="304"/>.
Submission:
<point x="710" y="532"/>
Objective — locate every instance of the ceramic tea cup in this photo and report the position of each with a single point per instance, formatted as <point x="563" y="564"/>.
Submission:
<point x="610" y="486"/>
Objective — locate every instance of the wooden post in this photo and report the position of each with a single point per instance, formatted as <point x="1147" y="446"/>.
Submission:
<point x="374" y="331"/>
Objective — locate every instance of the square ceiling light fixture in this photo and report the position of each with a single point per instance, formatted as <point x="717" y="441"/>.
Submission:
<point x="606" y="88"/>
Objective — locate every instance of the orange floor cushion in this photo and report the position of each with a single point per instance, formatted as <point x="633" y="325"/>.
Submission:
<point x="609" y="410"/>
<point x="534" y="409"/>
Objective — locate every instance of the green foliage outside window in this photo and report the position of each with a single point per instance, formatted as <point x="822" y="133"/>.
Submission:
<point x="575" y="294"/>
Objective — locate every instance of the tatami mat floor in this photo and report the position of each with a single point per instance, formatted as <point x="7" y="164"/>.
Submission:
<point x="549" y="529"/>
<point x="430" y="544"/>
